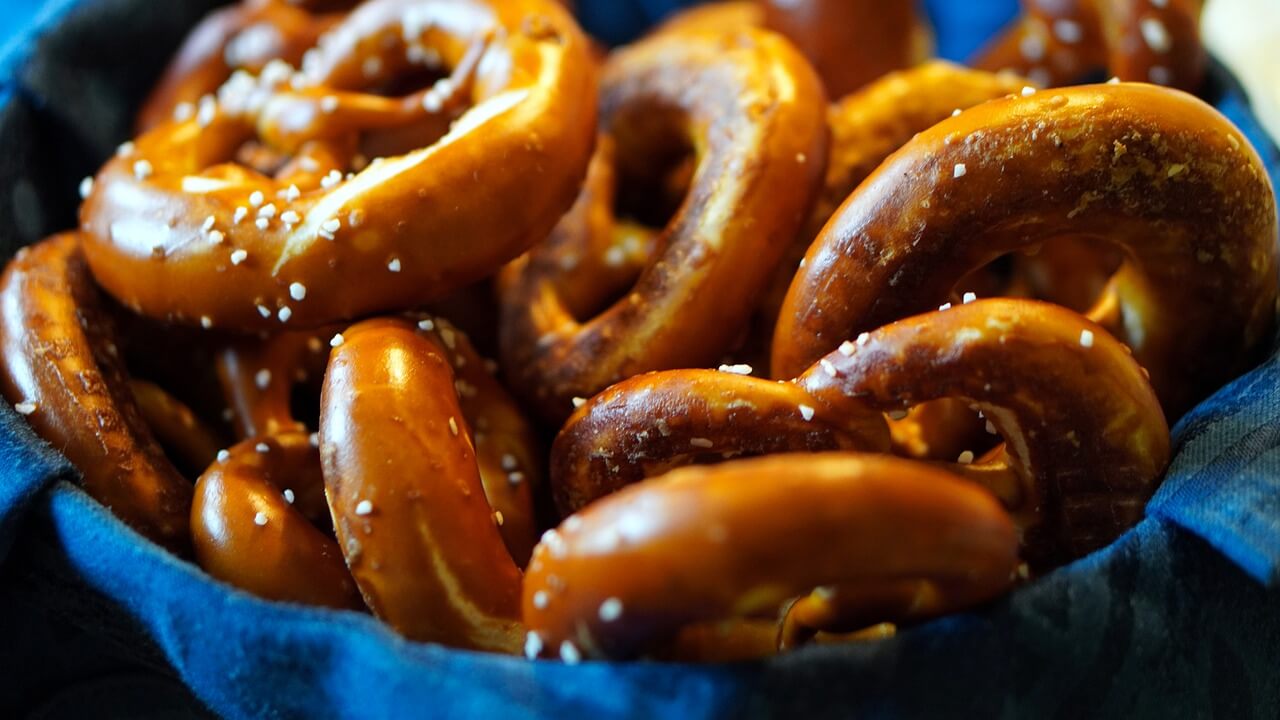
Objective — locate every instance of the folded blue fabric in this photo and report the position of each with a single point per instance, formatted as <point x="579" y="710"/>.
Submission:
<point x="1180" y="617"/>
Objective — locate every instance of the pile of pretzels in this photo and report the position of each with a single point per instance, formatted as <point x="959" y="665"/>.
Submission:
<point x="799" y="336"/>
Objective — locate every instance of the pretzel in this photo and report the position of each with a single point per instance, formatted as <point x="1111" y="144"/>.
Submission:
<point x="849" y="42"/>
<point x="162" y="215"/>
<point x="405" y="492"/>
<point x="248" y="532"/>
<point x="246" y="37"/>
<point x="867" y="127"/>
<point x="1153" y="171"/>
<point x="753" y="110"/>
<point x="739" y="539"/>
<point x="1058" y="388"/>
<point x="62" y="371"/>
<point x="1058" y="42"/>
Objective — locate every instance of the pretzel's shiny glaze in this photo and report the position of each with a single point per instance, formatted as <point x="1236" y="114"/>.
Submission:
<point x="1058" y="42"/>
<point x="408" y="506"/>
<point x="508" y="455"/>
<point x="1153" y="171"/>
<point x="247" y="531"/>
<point x="867" y="127"/>
<point x="1085" y="439"/>
<point x="62" y="369"/>
<point x="188" y="441"/>
<point x="752" y="110"/>
<point x="739" y="539"/>
<point x="423" y="224"/>
<point x="245" y="36"/>
<point x="652" y="423"/>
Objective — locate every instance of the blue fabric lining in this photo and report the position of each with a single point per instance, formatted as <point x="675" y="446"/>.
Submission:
<point x="1164" y="622"/>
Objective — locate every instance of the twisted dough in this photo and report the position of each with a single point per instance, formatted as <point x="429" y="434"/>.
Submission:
<point x="1085" y="439"/>
<point x="751" y="110"/>
<point x="1156" y="172"/>
<point x="176" y="231"/>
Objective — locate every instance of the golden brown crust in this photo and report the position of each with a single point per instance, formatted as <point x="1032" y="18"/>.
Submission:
<point x="246" y="37"/>
<point x="423" y="224"/>
<point x="405" y="492"/>
<point x="249" y="533"/>
<point x="61" y="369"/>
<point x="710" y="543"/>
<point x="1059" y="42"/>
<point x="752" y="111"/>
<point x="1151" y="170"/>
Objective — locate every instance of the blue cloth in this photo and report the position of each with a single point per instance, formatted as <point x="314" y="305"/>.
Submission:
<point x="1179" y="617"/>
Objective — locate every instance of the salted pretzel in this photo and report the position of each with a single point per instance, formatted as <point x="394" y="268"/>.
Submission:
<point x="849" y="42"/>
<point x="1085" y="439"/>
<point x="741" y="538"/>
<point x="752" y="110"/>
<point x="404" y="488"/>
<point x="61" y="370"/>
<point x="177" y="231"/>
<point x="1058" y="42"/>
<point x="257" y="521"/>
<point x="1152" y="171"/>
<point x="245" y="36"/>
<point x="867" y="127"/>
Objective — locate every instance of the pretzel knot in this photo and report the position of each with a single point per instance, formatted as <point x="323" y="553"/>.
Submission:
<point x="750" y="110"/>
<point x="1085" y="439"/>
<point x="739" y="539"/>
<point x="1058" y="42"/>
<point x="247" y="36"/>
<point x="1154" y="172"/>
<point x="406" y="494"/>
<point x="176" y="230"/>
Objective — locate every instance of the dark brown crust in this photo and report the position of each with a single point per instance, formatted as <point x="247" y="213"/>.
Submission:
<point x="59" y="353"/>
<point x="1151" y="170"/>
<point x="1085" y="436"/>
<point x="652" y="423"/>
